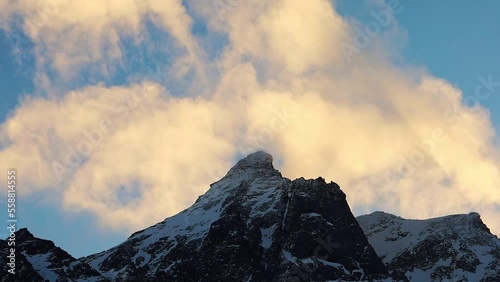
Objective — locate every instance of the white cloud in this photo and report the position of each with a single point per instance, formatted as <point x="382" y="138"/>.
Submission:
<point x="395" y="139"/>
<point x="70" y="36"/>
<point x="92" y="142"/>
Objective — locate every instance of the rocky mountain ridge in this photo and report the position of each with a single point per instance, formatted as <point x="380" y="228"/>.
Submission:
<point x="40" y="260"/>
<point x="449" y="248"/>
<point x="256" y="225"/>
<point x="252" y="225"/>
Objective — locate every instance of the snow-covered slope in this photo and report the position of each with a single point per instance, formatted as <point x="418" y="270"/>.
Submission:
<point x="255" y="225"/>
<point x="252" y="225"/>
<point x="40" y="260"/>
<point x="450" y="248"/>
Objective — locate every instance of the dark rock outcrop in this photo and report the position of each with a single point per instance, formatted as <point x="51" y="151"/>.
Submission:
<point x="40" y="260"/>
<point x="255" y="225"/>
<point x="252" y="225"/>
<point x="450" y="248"/>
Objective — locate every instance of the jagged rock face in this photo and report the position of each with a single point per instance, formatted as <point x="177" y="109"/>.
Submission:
<point x="252" y="225"/>
<point x="450" y="248"/>
<point x="23" y="269"/>
<point x="41" y="260"/>
<point x="255" y="225"/>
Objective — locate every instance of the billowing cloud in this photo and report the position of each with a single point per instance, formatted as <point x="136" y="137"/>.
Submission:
<point x="72" y="36"/>
<point x="114" y="150"/>
<point x="394" y="138"/>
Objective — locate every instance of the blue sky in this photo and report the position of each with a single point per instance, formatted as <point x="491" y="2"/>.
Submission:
<point x="457" y="42"/>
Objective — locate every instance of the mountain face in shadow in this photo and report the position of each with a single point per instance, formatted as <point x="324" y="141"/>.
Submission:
<point x="256" y="225"/>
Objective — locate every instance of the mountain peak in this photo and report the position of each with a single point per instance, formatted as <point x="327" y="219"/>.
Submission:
<point x="476" y="222"/>
<point x="260" y="162"/>
<point x="252" y="225"/>
<point x="435" y="249"/>
<point x="259" y="159"/>
<point x="25" y="234"/>
<point x="256" y="225"/>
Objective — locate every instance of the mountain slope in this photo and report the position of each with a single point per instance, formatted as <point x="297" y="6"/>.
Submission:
<point x="40" y="260"/>
<point x="252" y="225"/>
<point x="255" y="225"/>
<point x="455" y="247"/>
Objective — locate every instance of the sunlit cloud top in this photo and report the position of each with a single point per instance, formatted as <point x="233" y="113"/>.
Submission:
<point x="294" y="78"/>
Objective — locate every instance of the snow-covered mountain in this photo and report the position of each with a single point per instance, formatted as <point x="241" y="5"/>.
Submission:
<point x="40" y="260"/>
<point x="252" y="225"/>
<point x="255" y="225"/>
<point x="450" y="248"/>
